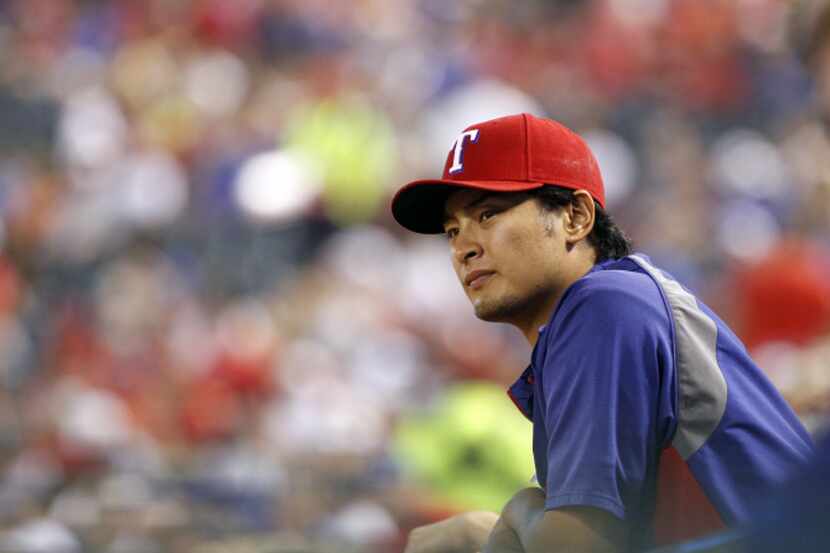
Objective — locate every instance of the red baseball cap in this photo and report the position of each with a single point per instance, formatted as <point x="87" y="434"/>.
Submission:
<point x="508" y="154"/>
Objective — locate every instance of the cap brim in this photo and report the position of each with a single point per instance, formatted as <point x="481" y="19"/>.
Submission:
<point x="419" y="206"/>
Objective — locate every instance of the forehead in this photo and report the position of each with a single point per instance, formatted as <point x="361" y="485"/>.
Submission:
<point x="459" y="199"/>
<point x="464" y="198"/>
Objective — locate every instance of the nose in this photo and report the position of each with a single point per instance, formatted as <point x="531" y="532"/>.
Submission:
<point x="466" y="247"/>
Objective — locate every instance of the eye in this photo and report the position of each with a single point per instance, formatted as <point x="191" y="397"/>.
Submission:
<point x="486" y="214"/>
<point x="451" y="233"/>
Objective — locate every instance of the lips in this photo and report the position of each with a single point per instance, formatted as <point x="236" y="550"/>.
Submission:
<point x="476" y="279"/>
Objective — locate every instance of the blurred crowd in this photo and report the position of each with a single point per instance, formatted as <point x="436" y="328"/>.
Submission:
<point x="210" y="327"/>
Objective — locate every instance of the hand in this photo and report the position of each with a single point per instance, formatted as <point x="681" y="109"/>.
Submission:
<point x="464" y="533"/>
<point x="523" y="506"/>
<point x="503" y="540"/>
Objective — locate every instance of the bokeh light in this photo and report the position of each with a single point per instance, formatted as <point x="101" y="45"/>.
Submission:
<point x="213" y="335"/>
<point x="275" y="186"/>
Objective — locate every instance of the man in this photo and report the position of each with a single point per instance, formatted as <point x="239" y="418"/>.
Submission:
<point x="651" y="423"/>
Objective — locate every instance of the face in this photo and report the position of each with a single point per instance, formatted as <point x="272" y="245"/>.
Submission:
<point x="510" y="255"/>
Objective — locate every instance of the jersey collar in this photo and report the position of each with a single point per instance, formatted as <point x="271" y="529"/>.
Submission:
<point x="521" y="392"/>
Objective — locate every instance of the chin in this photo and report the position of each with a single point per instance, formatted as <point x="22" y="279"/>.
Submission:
<point x="495" y="311"/>
<point x="487" y="316"/>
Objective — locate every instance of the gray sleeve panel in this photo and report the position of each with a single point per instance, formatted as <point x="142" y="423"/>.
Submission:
<point x="701" y="385"/>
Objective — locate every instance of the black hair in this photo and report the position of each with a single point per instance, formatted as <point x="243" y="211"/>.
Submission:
<point x="608" y="240"/>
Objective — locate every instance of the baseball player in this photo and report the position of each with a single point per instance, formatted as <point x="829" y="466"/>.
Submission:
<point x="651" y="423"/>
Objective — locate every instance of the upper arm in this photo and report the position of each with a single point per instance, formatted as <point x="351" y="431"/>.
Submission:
<point x="607" y="395"/>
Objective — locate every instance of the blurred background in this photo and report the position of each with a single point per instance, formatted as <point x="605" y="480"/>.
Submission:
<point x="213" y="337"/>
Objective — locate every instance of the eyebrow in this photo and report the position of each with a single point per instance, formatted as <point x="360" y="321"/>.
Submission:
<point x="478" y="201"/>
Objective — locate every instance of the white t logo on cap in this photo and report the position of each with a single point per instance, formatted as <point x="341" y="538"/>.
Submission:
<point x="458" y="149"/>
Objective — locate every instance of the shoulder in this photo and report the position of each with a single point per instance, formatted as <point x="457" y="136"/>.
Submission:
<point x="617" y="291"/>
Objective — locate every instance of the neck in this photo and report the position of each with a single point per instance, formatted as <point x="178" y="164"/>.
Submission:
<point x="545" y="305"/>
<point x="530" y="324"/>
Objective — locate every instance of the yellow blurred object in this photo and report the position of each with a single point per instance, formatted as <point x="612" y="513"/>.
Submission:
<point x="474" y="449"/>
<point x="353" y="146"/>
<point x="172" y="123"/>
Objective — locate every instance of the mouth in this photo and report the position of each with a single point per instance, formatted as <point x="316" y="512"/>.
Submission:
<point x="477" y="279"/>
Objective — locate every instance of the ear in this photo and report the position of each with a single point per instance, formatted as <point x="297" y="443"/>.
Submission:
<point x="579" y="217"/>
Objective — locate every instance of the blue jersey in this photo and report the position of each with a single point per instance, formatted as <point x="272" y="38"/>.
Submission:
<point x="795" y="519"/>
<point x="645" y="404"/>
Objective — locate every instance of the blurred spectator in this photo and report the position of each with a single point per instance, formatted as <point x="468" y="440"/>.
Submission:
<point x="211" y="336"/>
<point x="785" y="296"/>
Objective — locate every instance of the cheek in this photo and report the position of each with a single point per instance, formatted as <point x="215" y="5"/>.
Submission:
<point x="531" y="255"/>
<point x="519" y="252"/>
<point x="530" y="245"/>
<point x="512" y="238"/>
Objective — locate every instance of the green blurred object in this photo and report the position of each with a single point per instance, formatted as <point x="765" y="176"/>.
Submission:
<point x="473" y="449"/>
<point x="353" y="146"/>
